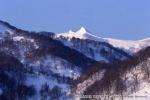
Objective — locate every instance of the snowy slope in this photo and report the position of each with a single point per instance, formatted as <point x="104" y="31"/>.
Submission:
<point x="82" y="33"/>
<point x="130" y="46"/>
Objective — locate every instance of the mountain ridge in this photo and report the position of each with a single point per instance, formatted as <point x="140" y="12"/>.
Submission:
<point x="90" y="52"/>
<point x="45" y="65"/>
<point x="130" y="46"/>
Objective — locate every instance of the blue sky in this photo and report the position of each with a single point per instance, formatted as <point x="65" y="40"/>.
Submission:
<point x="124" y="19"/>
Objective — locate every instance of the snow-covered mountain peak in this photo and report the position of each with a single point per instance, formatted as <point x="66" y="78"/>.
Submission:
<point x="82" y="33"/>
<point x="82" y="30"/>
<point x="131" y="46"/>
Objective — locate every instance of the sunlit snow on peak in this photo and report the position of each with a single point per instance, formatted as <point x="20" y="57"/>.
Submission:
<point x="82" y="33"/>
<point x="131" y="46"/>
<point x="82" y="30"/>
